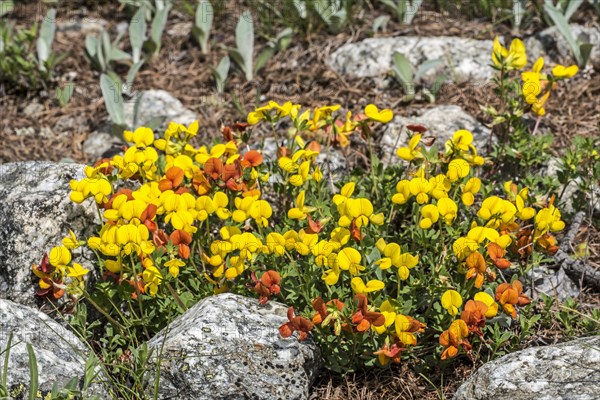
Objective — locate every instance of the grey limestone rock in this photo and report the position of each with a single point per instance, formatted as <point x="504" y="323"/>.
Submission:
<point x="462" y="58"/>
<point x="565" y="371"/>
<point x="59" y="354"/>
<point x="153" y="104"/>
<point x="35" y="214"/>
<point x="228" y="347"/>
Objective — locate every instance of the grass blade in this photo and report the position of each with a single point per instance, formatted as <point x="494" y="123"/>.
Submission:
<point x="33" y="373"/>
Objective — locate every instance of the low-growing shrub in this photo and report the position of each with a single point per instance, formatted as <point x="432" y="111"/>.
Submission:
<point x="419" y="260"/>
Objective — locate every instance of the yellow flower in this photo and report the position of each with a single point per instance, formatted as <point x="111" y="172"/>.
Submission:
<point x="430" y="215"/>
<point x="457" y="169"/>
<point x="403" y="193"/>
<point x="142" y="137"/>
<point x="152" y="278"/>
<point x="275" y="244"/>
<point x="77" y="271"/>
<point x="420" y="187"/>
<point x="496" y="211"/>
<point x="461" y="141"/>
<point x="411" y="152"/>
<point x="492" y="306"/>
<point x="349" y="259"/>
<point x="383" y="116"/>
<point x="447" y="209"/>
<point x="300" y="211"/>
<point x="389" y="312"/>
<point x="451" y="301"/>
<point x="59" y="257"/>
<point x="562" y="72"/>
<point x="513" y="58"/>
<point x="71" y="242"/>
<point x="359" y="286"/>
<point x="472" y="186"/>
<point x="174" y="266"/>
<point x="405" y="263"/>
<point x="548" y="219"/>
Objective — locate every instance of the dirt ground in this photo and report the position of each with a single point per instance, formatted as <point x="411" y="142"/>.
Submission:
<point x="299" y="74"/>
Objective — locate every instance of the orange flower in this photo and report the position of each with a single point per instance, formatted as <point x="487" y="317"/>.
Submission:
<point x="365" y="318"/>
<point x="511" y="295"/>
<point x="389" y="353"/>
<point x="477" y="268"/>
<point x="182" y="239"/>
<point x="173" y="178"/>
<point x="252" y="158"/>
<point x="454" y="338"/>
<point x="300" y="324"/>
<point x="321" y="308"/>
<point x="474" y="315"/>
<point x="267" y="285"/>
<point x="201" y="184"/>
<point x="496" y="253"/>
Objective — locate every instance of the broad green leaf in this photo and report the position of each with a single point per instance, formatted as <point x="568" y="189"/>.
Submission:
<point x="404" y="73"/>
<point x="220" y="73"/>
<point x="203" y="24"/>
<point x="117" y="54"/>
<point x="263" y="58"/>
<point x="91" y="45"/>
<point x="65" y="93"/>
<point x="111" y="91"/>
<point x="158" y="25"/>
<point x="562" y="25"/>
<point x="244" y="39"/>
<point x="137" y="33"/>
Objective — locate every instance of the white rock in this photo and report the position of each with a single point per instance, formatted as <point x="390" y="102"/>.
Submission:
<point x="35" y="214"/>
<point x="60" y="355"/>
<point x="157" y="103"/>
<point x="441" y="122"/>
<point x="566" y="371"/>
<point x="463" y="58"/>
<point x="229" y="347"/>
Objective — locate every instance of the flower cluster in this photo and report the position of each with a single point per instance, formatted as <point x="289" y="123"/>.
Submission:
<point x="361" y="265"/>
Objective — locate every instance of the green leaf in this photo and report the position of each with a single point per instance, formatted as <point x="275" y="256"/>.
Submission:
<point x="91" y="45"/>
<point x="426" y="66"/>
<point x="244" y="39"/>
<point x="263" y="58"/>
<point x="220" y="73"/>
<point x="411" y="10"/>
<point x="203" y="24"/>
<point x="4" y="376"/>
<point x="562" y="25"/>
<point x="158" y="25"/>
<point x="585" y="49"/>
<point x="65" y="93"/>
<point x="111" y="91"/>
<point x="137" y="33"/>
<point x="133" y="70"/>
<point x="117" y="54"/>
<point x="380" y="23"/>
<point x="404" y="73"/>
<point x="518" y="11"/>
<point x="33" y="373"/>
